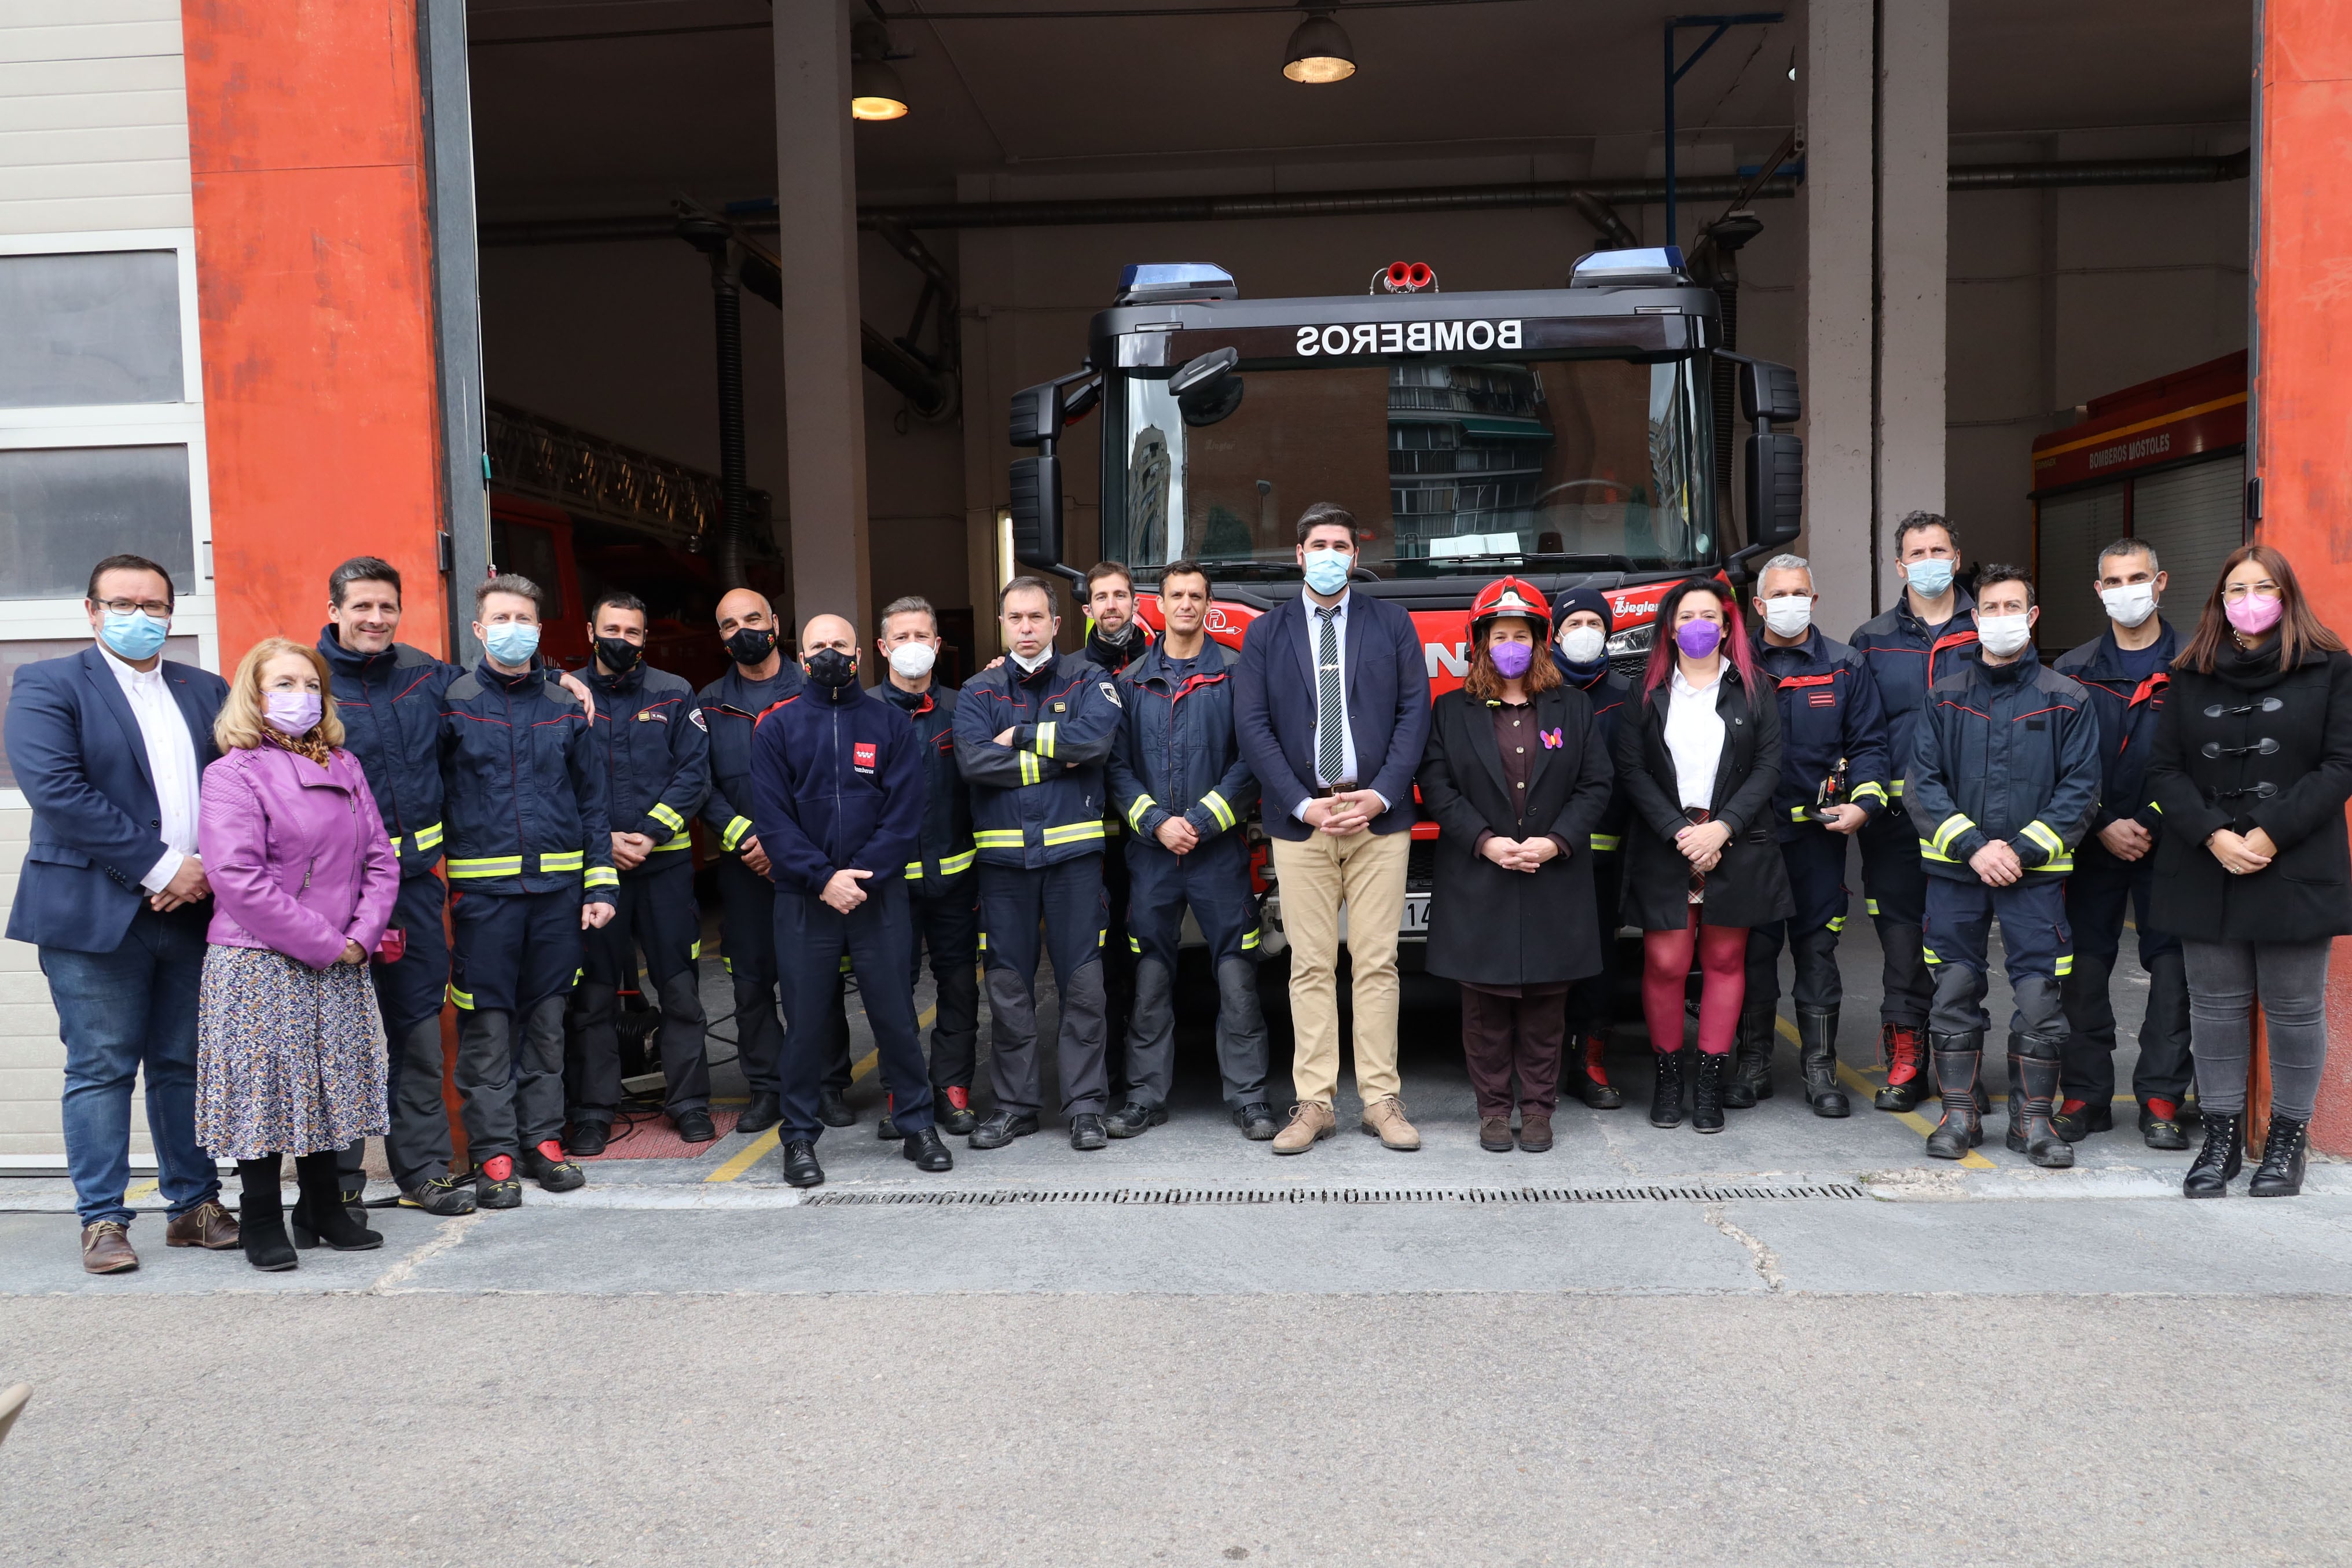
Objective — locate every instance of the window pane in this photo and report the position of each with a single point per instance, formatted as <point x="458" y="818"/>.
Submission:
<point x="2074" y="529"/>
<point x="63" y="509"/>
<point x="99" y="327"/>
<point x="15" y="655"/>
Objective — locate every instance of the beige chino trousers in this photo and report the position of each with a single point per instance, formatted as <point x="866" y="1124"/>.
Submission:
<point x="1363" y="872"/>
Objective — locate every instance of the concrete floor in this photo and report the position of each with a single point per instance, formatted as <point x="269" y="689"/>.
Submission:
<point x="1795" y="1341"/>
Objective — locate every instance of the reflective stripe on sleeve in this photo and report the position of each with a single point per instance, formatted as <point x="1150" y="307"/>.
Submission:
<point x="1218" y="808"/>
<point x="602" y="876"/>
<point x="682" y="842"/>
<point x="1134" y="813"/>
<point x="736" y="828"/>
<point x="1603" y="842"/>
<point x="1030" y="772"/>
<point x="666" y="817"/>
<point x="565" y="860"/>
<point x="1045" y="741"/>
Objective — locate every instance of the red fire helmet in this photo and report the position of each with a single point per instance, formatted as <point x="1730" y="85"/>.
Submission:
<point x="1510" y="596"/>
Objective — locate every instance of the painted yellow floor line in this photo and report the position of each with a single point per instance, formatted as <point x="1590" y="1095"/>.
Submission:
<point x="144" y="1189"/>
<point x="761" y="1148"/>
<point x="1863" y="1086"/>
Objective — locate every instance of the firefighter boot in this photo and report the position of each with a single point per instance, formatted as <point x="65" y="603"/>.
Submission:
<point x="1751" y="1078"/>
<point x="1817" y="1053"/>
<point x="1957" y="1058"/>
<point x="1903" y="1054"/>
<point x="1593" y="1083"/>
<point x="2038" y="1072"/>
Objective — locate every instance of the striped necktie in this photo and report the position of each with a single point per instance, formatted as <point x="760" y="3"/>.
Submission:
<point x="1330" y="711"/>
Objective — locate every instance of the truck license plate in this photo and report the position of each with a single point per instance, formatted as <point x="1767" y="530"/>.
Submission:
<point x="1416" y="916"/>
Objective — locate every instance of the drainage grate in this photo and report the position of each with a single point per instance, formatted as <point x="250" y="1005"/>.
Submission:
<point x="1171" y="1196"/>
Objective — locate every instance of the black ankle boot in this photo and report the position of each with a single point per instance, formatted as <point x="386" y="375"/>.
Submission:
<point x="1751" y="1078"/>
<point x="1666" y="1091"/>
<point x="1706" y="1092"/>
<point x="319" y="1213"/>
<point x="1957" y="1058"/>
<point x="1817" y="1054"/>
<point x="261" y="1215"/>
<point x="2222" y="1156"/>
<point x="2039" y="1077"/>
<point x="2281" y="1173"/>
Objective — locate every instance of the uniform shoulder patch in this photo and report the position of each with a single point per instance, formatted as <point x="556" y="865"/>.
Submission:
<point x="695" y="714"/>
<point x="1110" y="690"/>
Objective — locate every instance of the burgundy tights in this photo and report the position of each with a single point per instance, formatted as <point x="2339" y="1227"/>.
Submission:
<point x="1665" y="963"/>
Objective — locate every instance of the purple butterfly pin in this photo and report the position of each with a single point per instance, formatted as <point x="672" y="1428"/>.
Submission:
<point x="1551" y="740"/>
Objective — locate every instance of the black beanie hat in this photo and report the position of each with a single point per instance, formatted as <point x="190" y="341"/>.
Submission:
<point x="1575" y="599"/>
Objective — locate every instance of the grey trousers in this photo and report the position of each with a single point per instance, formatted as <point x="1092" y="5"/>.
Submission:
<point x="2290" y="979"/>
<point x="512" y="1090"/>
<point x="1242" y="1049"/>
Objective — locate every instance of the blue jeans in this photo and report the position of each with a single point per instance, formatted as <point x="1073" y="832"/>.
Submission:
<point x="117" y="1012"/>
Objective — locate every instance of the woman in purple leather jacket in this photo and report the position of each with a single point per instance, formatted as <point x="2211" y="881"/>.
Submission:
<point x="290" y="1054"/>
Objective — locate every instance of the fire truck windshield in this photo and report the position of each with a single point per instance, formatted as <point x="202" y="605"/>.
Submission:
<point x="1450" y="467"/>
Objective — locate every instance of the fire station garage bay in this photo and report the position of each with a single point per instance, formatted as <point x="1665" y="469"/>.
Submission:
<point x="727" y="289"/>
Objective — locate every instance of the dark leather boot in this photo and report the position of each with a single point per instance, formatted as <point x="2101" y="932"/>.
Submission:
<point x="319" y="1212"/>
<point x="2039" y="1075"/>
<point x="261" y="1215"/>
<point x="1751" y="1078"/>
<point x="2222" y="1156"/>
<point x="1902" y="1051"/>
<point x="1817" y="1054"/>
<point x="1706" y="1091"/>
<point x="1593" y="1085"/>
<point x="1666" y="1090"/>
<point x="2078" y="1119"/>
<point x="1959" y="1058"/>
<point x="2014" y="1139"/>
<point x="2281" y="1173"/>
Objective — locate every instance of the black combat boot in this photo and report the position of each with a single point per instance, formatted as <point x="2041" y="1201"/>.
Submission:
<point x="1817" y="1054"/>
<point x="1706" y="1091"/>
<point x="1666" y="1091"/>
<point x="2281" y="1173"/>
<point x="1957" y="1058"/>
<point x="2224" y="1156"/>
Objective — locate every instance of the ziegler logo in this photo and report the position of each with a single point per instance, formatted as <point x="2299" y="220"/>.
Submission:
<point x="1407" y="338"/>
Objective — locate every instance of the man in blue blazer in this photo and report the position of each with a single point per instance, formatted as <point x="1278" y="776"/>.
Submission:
<point x="109" y="746"/>
<point x="1331" y="704"/>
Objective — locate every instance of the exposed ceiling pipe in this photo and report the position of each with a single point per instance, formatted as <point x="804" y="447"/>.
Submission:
<point x="1575" y="196"/>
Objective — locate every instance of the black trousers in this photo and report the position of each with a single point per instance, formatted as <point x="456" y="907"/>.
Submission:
<point x="1593" y="1000"/>
<point x="657" y="911"/>
<point x="877" y="937"/>
<point x="1067" y="901"/>
<point x="1815" y="859"/>
<point x="1118" y="959"/>
<point x="949" y="926"/>
<point x="2098" y="893"/>
<point x="746" y="940"/>
<point x="1895" y="891"/>
<point x="410" y="994"/>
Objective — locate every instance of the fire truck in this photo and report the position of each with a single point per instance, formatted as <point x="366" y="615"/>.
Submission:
<point x="1568" y="436"/>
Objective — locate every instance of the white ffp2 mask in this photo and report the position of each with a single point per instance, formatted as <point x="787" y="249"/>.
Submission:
<point x="2004" y="635"/>
<point x="1788" y="615"/>
<point x="2131" y="604"/>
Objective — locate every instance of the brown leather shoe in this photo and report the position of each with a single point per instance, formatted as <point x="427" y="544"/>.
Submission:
<point x="1495" y="1134"/>
<point x="1384" y="1119"/>
<point x="1535" y="1133"/>
<point x="207" y="1226"/>
<point x="106" y="1248"/>
<point x="1310" y="1122"/>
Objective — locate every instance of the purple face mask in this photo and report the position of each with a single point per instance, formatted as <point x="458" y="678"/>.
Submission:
<point x="1512" y="658"/>
<point x="1698" y="638"/>
<point x="294" y="714"/>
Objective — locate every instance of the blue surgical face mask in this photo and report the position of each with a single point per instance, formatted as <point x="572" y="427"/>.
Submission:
<point x="1930" y="578"/>
<point x="135" y="636"/>
<point x="512" y="642"/>
<point x="1326" y="571"/>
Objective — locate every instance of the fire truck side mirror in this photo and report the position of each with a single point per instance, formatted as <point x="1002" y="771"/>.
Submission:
<point x="1036" y="507"/>
<point x="1776" y="488"/>
<point x="1037" y="415"/>
<point x="1767" y="393"/>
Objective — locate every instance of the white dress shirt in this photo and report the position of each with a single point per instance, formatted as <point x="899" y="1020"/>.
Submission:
<point x="1695" y="738"/>
<point x="170" y="763"/>
<point x="1347" y="731"/>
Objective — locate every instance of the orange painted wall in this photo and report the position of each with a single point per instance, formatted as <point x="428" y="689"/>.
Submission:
<point x="2303" y="303"/>
<point x="314" y="289"/>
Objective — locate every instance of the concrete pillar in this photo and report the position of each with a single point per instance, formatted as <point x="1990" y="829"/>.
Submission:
<point x="825" y="379"/>
<point x="1838" y="198"/>
<point x="1914" y="137"/>
<point x="2303" y="371"/>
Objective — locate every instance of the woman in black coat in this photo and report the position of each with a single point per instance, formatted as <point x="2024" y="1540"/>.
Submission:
<point x="1699" y="757"/>
<point x="1516" y="777"/>
<point x="2252" y="767"/>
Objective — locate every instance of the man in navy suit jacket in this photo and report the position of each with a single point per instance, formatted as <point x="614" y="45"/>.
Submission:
<point x="109" y="746"/>
<point x="1331" y="704"/>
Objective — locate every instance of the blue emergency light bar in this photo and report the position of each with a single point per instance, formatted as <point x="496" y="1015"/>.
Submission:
<point x="1602" y="268"/>
<point x="1165" y="282"/>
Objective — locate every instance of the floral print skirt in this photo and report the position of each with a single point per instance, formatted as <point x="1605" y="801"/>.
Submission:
<point x="289" y="1059"/>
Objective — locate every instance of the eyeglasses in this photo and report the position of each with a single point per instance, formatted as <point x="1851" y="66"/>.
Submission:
<point x="2237" y="591"/>
<point x="155" y="608"/>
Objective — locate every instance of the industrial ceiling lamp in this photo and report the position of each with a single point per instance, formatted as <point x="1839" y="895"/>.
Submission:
<point x="875" y="90"/>
<point x="1319" y="50"/>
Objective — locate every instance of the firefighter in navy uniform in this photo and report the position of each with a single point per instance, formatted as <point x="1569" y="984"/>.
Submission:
<point x="1031" y="736"/>
<point x="2125" y="669"/>
<point x="531" y="868"/>
<point x="651" y="737"/>
<point x="1831" y="729"/>
<point x="758" y="677"/>
<point x="2005" y="776"/>
<point x="838" y="797"/>
<point x="1929" y="633"/>
<point x="1583" y="621"/>
<point x="1116" y="638"/>
<point x="1178" y="781"/>
<point x="941" y="887"/>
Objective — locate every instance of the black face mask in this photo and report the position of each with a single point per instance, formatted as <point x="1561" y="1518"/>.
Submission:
<point x="618" y="655"/>
<point x="750" y="644"/>
<point x="832" y="668"/>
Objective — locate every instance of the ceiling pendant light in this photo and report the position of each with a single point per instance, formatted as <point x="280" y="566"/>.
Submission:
<point x="1319" y="50"/>
<point x="875" y="90"/>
